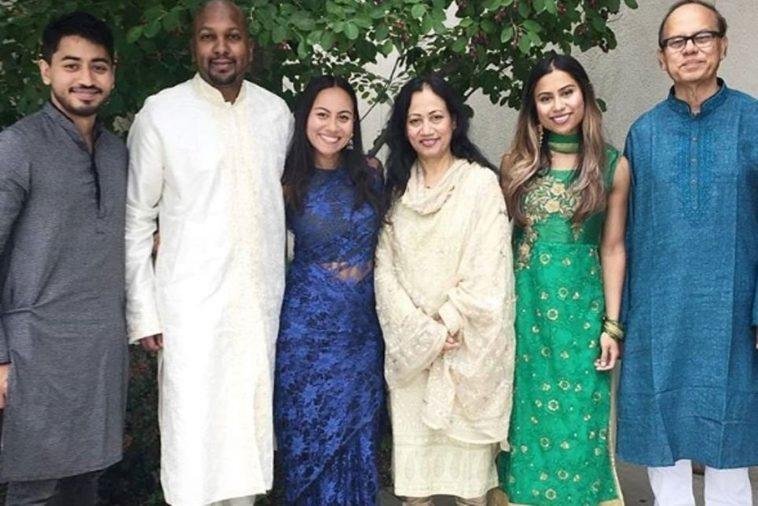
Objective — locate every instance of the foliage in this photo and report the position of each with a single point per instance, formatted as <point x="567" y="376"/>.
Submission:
<point x="486" y="45"/>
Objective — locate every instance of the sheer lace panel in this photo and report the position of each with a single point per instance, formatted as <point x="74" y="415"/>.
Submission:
<point x="344" y="271"/>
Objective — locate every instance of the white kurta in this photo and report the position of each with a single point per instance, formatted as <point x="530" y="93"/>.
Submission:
<point x="209" y="171"/>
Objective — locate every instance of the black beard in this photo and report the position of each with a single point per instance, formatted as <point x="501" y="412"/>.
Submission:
<point x="84" y="111"/>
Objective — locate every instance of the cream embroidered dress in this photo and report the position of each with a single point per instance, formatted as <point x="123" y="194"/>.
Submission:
<point x="443" y="265"/>
<point x="209" y="170"/>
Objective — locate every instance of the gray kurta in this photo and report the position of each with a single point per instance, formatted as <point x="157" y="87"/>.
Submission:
<point x="62" y="298"/>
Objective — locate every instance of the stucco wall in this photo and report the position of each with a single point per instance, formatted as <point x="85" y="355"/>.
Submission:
<point x="628" y="78"/>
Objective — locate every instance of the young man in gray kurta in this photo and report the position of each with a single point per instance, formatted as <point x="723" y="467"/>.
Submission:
<point x="63" y="338"/>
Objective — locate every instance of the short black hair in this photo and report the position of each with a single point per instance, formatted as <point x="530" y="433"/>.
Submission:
<point x="80" y="24"/>
<point x="721" y="20"/>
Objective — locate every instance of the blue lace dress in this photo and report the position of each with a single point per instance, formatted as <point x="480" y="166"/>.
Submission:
<point x="329" y="390"/>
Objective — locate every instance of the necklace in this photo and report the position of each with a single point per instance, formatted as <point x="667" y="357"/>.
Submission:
<point x="569" y="144"/>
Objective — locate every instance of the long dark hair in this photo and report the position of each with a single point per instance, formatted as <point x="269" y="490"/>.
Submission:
<point x="402" y="156"/>
<point x="299" y="165"/>
<point x="527" y="157"/>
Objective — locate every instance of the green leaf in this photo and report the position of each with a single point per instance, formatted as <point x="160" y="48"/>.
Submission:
<point x="381" y="32"/>
<point x="152" y="28"/>
<point x="278" y="33"/>
<point x="488" y="26"/>
<point x="632" y="4"/>
<point x="378" y="12"/>
<point x="459" y="45"/>
<point x="172" y="19"/>
<point x="493" y="4"/>
<point x="532" y="25"/>
<point x="302" y="50"/>
<point x="351" y="30"/>
<point x="539" y="6"/>
<point x="418" y="11"/>
<point x="427" y="24"/>
<point x="507" y="34"/>
<point x="524" y="44"/>
<point x="303" y="22"/>
<point x="387" y="47"/>
<point x="597" y="23"/>
<point x="363" y="22"/>
<point x="134" y="33"/>
<point x="314" y="37"/>
<point x="328" y="39"/>
<point x="602" y="105"/>
<point x="151" y="13"/>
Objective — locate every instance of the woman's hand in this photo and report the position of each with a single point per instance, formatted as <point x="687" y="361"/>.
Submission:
<point x="610" y="352"/>
<point x="451" y="343"/>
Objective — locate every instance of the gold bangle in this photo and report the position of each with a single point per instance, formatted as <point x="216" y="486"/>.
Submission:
<point x="613" y="328"/>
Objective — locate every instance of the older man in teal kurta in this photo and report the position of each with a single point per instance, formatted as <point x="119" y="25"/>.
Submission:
<point x="689" y="383"/>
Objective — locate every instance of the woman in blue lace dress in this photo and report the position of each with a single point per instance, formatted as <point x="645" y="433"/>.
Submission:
<point x="329" y="390"/>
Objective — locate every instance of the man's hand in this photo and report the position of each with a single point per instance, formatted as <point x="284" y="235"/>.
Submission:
<point x="4" y="370"/>
<point x="152" y="343"/>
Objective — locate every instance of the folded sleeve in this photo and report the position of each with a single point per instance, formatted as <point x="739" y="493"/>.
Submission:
<point x="144" y="190"/>
<point x="413" y="339"/>
<point x="14" y="187"/>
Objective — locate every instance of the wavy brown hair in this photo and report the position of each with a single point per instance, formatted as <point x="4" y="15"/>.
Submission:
<point x="527" y="158"/>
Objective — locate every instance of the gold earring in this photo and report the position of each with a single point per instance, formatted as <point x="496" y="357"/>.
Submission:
<point x="542" y="137"/>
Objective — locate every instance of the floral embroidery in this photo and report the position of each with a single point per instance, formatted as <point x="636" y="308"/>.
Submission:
<point x="544" y="196"/>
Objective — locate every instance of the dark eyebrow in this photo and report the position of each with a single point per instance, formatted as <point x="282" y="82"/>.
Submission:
<point x="572" y="85"/>
<point x="69" y="57"/>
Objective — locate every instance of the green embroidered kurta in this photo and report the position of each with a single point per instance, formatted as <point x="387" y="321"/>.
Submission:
<point x="560" y="426"/>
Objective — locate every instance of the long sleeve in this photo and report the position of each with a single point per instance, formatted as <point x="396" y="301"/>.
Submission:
<point x="480" y="307"/>
<point x="626" y="291"/>
<point x="14" y="185"/>
<point x="143" y="196"/>
<point x="413" y="339"/>
<point x="755" y="304"/>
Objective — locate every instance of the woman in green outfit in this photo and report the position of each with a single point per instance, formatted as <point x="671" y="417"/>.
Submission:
<point x="567" y="193"/>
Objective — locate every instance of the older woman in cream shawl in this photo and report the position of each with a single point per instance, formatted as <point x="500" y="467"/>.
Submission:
<point x="444" y="287"/>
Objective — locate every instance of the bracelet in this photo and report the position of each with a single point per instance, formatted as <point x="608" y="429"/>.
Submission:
<point x="613" y="328"/>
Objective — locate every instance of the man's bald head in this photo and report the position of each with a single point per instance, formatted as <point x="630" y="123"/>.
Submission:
<point x="232" y="8"/>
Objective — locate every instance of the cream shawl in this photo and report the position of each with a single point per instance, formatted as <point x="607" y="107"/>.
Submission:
<point x="444" y="265"/>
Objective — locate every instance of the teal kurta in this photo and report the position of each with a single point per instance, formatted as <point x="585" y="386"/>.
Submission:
<point x="689" y="383"/>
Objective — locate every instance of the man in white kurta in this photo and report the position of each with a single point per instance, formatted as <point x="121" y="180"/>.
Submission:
<point x="205" y="162"/>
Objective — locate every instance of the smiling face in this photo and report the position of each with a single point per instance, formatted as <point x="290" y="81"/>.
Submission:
<point x="692" y="64"/>
<point x="329" y="126"/>
<point x="221" y="47"/>
<point x="429" y="125"/>
<point x="559" y="102"/>
<point x="80" y="75"/>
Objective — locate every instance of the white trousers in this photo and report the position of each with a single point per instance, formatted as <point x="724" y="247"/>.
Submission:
<point x="672" y="486"/>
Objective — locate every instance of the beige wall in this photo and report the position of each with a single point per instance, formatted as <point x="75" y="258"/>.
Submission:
<point x="628" y="78"/>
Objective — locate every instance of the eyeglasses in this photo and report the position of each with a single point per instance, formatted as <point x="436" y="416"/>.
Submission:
<point x="703" y="40"/>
